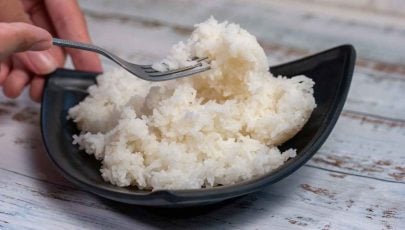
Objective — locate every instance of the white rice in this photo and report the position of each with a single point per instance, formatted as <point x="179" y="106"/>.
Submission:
<point x="218" y="128"/>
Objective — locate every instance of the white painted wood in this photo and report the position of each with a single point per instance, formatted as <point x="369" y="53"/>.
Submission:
<point x="309" y="198"/>
<point x="365" y="145"/>
<point x="377" y="93"/>
<point x="355" y="181"/>
<point x="293" y="23"/>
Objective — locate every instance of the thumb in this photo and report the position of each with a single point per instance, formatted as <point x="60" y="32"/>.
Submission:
<point x="18" y="37"/>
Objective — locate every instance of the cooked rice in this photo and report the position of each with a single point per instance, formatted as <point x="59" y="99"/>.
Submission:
<point x="218" y="128"/>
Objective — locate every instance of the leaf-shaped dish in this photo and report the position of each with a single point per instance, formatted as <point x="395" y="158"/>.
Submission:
<point x="331" y="70"/>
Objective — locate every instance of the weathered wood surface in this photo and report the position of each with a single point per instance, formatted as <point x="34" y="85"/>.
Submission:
<point x="297" y="202"/>
<point x="356" y="180"/>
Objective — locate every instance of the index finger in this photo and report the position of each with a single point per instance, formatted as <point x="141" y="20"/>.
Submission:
<point x="18" y="37"/>
<point x="69" y="23"/>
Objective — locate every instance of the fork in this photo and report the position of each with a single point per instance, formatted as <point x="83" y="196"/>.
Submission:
<point x="145" y="72"/>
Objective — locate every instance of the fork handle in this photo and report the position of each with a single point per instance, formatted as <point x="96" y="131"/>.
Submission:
<point x="85" y="46"/>
<point x="76" y="45"/>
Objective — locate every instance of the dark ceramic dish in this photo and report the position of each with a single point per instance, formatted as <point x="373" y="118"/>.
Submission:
<point x="331" y="70"/>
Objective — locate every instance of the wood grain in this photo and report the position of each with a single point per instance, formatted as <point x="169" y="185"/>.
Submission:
<point x="301" y="200"/>
<point x="355" y="181"/>
<point x="365" y="145"/>
<point x="309" y="26"/>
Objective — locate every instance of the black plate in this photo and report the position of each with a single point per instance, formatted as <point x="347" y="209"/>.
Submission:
<point x="331" y="70"/>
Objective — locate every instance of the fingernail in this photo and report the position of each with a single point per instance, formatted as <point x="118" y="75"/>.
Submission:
<point x="42" y="62"/>
<point x="41" y="45"/>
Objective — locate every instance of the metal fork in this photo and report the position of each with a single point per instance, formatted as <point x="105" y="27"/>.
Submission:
<point x="145" y="72"/>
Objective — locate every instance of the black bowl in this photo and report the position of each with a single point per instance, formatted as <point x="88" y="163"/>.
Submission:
<point x="331" y="70"/>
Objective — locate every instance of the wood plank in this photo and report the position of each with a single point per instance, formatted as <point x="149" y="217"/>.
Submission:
<point x="309" y="198"/>
<point x="390" y="8"/>
<point x="377" y="93"/>
<point x="365" y="145"/>
<point x="320" y="26"/>
<point x="21" y="142"/>
<point x="271" y="46"/>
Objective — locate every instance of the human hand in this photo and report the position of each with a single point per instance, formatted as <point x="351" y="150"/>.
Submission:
<point x="14" y="38"/>
<point x="61" y="18"/>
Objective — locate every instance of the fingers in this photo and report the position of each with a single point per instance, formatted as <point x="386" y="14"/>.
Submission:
<point x="18" y="37"/>
<point x="41" y="63"/>
<point x="69" y="22"/>
<point x="16" y="81"/>
<point x="36" y="87"/>
<point x="4" y="71"/>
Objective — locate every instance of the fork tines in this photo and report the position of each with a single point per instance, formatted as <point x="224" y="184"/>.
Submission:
<point x="156" y="73"/>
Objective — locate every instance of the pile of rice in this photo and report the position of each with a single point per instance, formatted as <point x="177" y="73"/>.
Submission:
<point x="217" y="128"/>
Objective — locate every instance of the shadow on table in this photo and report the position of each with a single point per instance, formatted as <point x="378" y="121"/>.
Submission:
<point x="226" y="214"/>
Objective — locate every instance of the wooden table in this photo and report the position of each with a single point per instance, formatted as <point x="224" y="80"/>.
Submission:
<point x="355" y="181"/>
